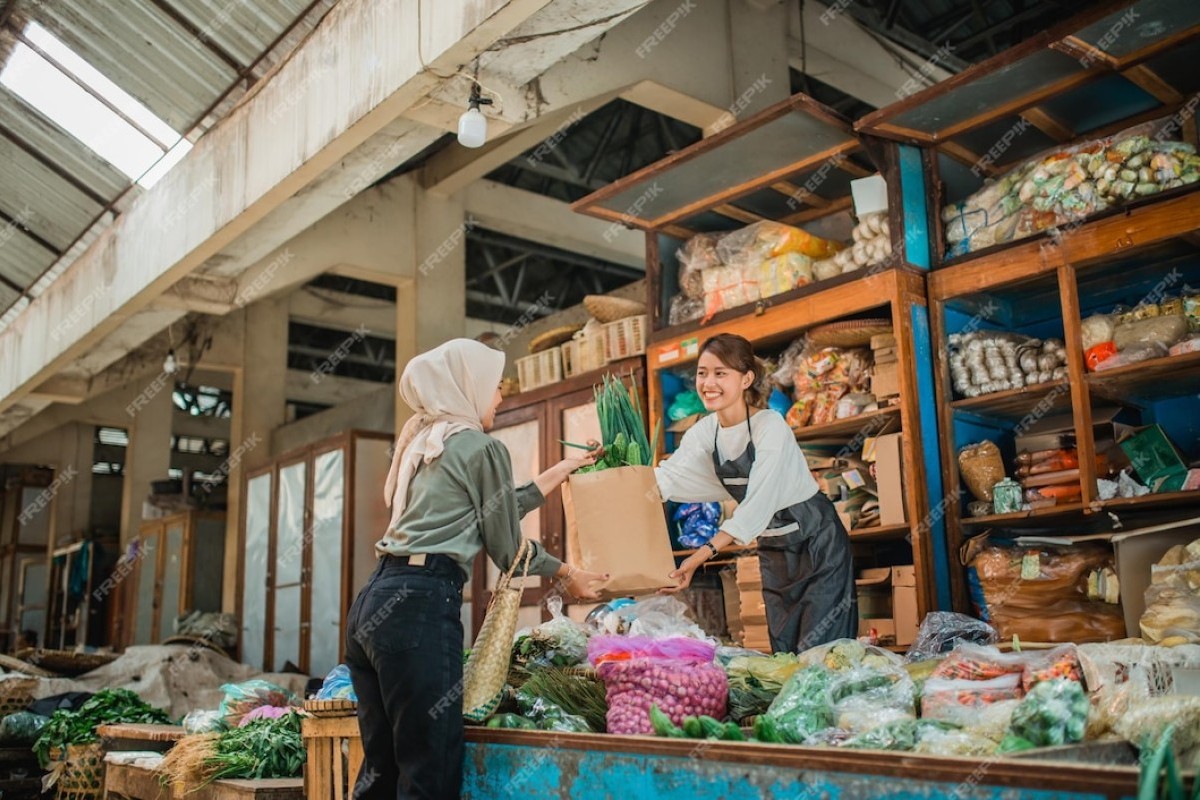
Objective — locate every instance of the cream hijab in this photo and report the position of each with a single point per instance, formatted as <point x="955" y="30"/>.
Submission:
<point x="449" y="389"/>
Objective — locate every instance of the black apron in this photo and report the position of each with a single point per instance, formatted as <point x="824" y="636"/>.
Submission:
<point x="805" y="559"/>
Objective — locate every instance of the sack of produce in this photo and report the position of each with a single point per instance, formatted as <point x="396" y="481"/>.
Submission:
<point x="981" y="467"/>
<point x="959" y="701"/>
<point x="867" y="696"/>
<point x="242" y="698"/>
<point x="1053" y="713"/>
<point x="729" y="287"/>
<point x="1173" y="596"/>
<point x="980" y="663"/>
<point x="842" y="655"/>
<point x="1049" y="665"/>
<point x="801" y="709"/>
<point x="677" y="675"/>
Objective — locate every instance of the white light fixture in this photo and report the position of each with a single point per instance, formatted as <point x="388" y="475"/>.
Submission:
<point x="472" y="125"/>
<point x="170" y="366"/>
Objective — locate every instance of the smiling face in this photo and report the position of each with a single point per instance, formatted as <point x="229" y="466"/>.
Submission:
<point x="720" y="386"/>
<point x="489" y="419"/>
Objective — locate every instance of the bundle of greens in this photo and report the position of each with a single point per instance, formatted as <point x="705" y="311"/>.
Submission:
<point x="264" y="748"/>
<point x="575" y="694"/>
<point x="106" y="707"/>
<point x="754" y="681"/>
<point x="622" y="428"/>
<point x="800" y="710"/>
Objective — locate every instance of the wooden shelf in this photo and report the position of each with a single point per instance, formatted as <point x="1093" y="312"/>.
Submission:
<point x="729" y="549"/>
<point x="1020" y="518"/>
<point x="1169" y="376"/>
<point x="1151" y="501"/>
<point x="850" y="427"/>
<point x="880" y="532"/>
<point x="1016" y="403"/>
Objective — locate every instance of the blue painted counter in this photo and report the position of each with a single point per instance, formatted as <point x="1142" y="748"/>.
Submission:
<point x="535" y="765"/>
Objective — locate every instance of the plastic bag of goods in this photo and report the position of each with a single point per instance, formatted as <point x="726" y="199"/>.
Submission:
<point x="1049" y="665"/>
<point x="942" y="631"/>
<point x="800" y="710"/>
<point x="242" y="698"/>
<point x="204" y="721"/>
<point x="965" y="743"/>
<point x="980" y="663"/>
<point x="676" y="674"/>
<point x="1122" y="676"/>
<point x="21" y="728"/>
<point x="1040" y="594"/>
<point x="841" y="655"/>
<point x="558" y="642"/>
<point x="959" y="701"/>
<point x="783" y="273"/>
<point x="762" y="240"/>
<point x="729" y="287"/>
<point x="337" y="685"/>
<point x="1173" y="597"/>
<point x="685" y="309"/>
<point x="981" y="467"/>
<point x="1053" y="713"/>
<point x="755" y="681"/>
<point x="865" y="697"/>
<point x="903" y="735"/>
<point x="696" y="255"/>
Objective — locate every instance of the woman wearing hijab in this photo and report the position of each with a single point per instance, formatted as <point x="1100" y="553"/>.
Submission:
<point x="748" y="452"/>
<point x="451" y="492"/>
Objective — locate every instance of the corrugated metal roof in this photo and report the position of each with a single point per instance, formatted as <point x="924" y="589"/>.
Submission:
<point x="179" y="58"/>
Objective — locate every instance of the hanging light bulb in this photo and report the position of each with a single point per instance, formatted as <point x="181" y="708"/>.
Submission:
<point x="170" y="366"/>
<point x="472" y="125"/>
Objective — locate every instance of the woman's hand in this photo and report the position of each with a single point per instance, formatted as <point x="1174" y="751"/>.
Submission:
<point x="578" y="583"/>
<point x="570" y="464"/>
<point x="554" y="477"/>
<point x="684" y="574"/>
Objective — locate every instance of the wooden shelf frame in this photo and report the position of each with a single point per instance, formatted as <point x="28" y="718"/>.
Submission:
<point x="902" y="291"/>
<point x="1105" y="241"/>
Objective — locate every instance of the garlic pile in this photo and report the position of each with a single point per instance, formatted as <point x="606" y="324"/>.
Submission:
<point x="983" y="362"/>
<point x="872" y="245"/>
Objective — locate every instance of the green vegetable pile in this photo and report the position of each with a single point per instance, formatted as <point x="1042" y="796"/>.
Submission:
<point x="576" y="695"/>
<point x="701" y="727"/>
<point x="902" y="734"/>
<point x="622" y="428"/>
<point x="264" y="748"/>
<point x="106" y="707"/>
<point x="1053" y="713"/>
<point x="755" y="681"/>
<point x="800" y="710"/>
<point x="547" y="716"/>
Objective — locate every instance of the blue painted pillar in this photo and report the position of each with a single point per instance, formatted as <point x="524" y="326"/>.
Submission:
<point x="917" y="238"/>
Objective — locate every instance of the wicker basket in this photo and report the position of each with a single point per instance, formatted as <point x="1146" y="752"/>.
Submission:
<point x="583" y="354"/>
<point x="850" y="333"/>
<point x="16" y="693"/>
<point x="331" y="708"/>
<point x="66" y="662"/>
<point x="552" y="338"/>
<point x="539" y="369"/>
<point x="625" y="338"/>
<point x="611" y="309"/>
<point x="80" y="773"/>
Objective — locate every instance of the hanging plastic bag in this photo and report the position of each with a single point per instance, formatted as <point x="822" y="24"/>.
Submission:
<point x="242" y="698"/>
<point x="337" y="685"/>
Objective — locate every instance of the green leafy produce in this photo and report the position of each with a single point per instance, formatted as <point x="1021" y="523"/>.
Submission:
<point x="845" y="689"/>
<point x="754" y="681"/>
<point x="549" y="715"/>
<point x="713" y="729"/>
<point x="511" y="721"/>
<point x="106" y="707"/>
<point x="900" y="735"/>
<point x="578" y="695"/>
<point x="692" y="728"/>
<point x="1053" y="713"/>
<point x="264" y="748"/>
<point x="622" y="428"/>
<point x="800" y="710"/>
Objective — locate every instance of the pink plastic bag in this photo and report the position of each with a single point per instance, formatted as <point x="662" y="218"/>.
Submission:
<point x="626" y="648"/>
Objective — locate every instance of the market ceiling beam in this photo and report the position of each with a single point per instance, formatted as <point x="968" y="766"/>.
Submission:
<point x="326" y="308"/>
<point x="331" y="390"/>
<point x="534" y="217"/>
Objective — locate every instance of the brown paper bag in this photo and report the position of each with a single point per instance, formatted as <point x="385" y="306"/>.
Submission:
<point x="616" y="524"/>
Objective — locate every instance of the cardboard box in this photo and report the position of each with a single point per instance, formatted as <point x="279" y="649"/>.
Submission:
<point x="733" y="603"/>
<point x="1154" y="458"/>
<point x="885" y="628"/>
<point x="904" y="604"/>
<point x="874" y="587"/>
<point x="1058" y="430"/>
<point x="1136" y="551"/>
<point x="885" y="379"/>
<point x="889" y="479"/>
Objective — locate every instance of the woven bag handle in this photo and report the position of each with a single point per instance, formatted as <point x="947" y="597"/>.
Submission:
<point x="523" y="556"/>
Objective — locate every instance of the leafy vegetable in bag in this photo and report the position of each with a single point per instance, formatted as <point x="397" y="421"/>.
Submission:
<point x="801" y="709"/>
<point x="1053" y="713"/>
<point x="902" y="735"/>
<point x="21" y="728"/>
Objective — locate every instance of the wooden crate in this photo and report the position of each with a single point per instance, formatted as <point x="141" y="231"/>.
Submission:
<point x="142" y="783"/>
<point x="584" y="354"/>
<point x="539" y="369"/>
<point x="335" y="757"/>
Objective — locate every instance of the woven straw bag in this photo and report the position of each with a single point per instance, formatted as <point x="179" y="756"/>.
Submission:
<point x="491" y="657"/>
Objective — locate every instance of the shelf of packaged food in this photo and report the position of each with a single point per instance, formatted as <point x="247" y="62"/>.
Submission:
<point x="1019" y="517"/>
<point x="1169" y="376"/>
<point x="1016" y="403"/>
<point x="879" y="532"/>
<point x="866" y="423"/>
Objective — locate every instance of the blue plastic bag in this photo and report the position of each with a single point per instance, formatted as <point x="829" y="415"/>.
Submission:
<point x="698" y="523"/>
<point x="337" y="685"/>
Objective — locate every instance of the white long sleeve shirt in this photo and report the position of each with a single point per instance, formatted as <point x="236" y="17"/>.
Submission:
<point x="780" y="477"/>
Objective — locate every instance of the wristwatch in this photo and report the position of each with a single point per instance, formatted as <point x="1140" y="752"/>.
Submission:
<point x="712" y="547"/>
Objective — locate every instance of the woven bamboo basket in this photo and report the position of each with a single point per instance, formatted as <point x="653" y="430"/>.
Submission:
<point x="66" y="662"/>
<point x="81" y="772"/>
<point x="553" y="338"/>
<point x="849" y="333"/>
<point x="611" y="309"/>
<point x="16" y="693"/>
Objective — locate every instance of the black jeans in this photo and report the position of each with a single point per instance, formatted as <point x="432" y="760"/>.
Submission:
<point x="404" y="650"/>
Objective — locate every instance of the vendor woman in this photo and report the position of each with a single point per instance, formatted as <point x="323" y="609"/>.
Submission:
<point x="748" y="452"/>
<point x="451" y="492"/>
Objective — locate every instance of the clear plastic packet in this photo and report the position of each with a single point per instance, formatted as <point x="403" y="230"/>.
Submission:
<point x="557" y="642"/>
<point x="959" y="701"/>
<point x="1048" y="665"/>
<point x="696" y="255"/>
<point x="550" y="716"/>
<point x="762" y="240"/>
<point x="337" y="685"/>
<point x="204" y="721"/>
<point x="800" y="709"/>
<point x="242" y="698"/>
<point x="685" y="309"/>
<point x="971" y="662"/>
<point x="660" y="617"/>
<point x="845" y="654"/>
<point x="1053" y="713"/>
<point x="956" y="743"/>
<point x="21" y="728"/>
<point x="1134" y="354"/>
<point x="942" y="631"/>
<point x="865" y="697"/>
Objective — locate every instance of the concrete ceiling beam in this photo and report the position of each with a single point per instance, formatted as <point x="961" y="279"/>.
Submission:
<point x="325" y="308"/>
<point x="326" y="390"/>
<point x="63" y="389"/>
